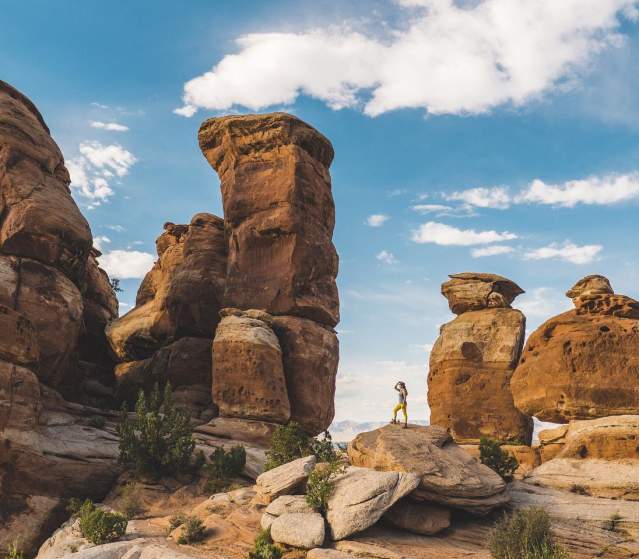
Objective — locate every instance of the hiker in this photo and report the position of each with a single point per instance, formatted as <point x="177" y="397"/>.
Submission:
<point x="401" y="405"/>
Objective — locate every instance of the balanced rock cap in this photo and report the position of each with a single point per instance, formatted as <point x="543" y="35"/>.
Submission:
<point x="473" y="291"/>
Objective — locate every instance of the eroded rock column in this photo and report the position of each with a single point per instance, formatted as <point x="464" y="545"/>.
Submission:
<point x="473" y="359"/>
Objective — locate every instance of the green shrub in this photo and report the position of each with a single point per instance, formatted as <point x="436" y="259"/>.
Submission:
<point x="159" y="440"/>
<point x="13" y="551"/>
<point x="323" y="448"/>
<point x="264" y="548"/>
<point x="492" y="455"/>
<point x="97" y="421"/>
<point x="320" y="484"/>
<point x="98" y="525"/>
<point x="612" y="523"/>
<point x="578" y="489"/>
<point x="225" y="465"/>
<point x="290" y="442"/>
<point x="192" y="530"/>
<point x="129" y="501"/>
<point x="176" y="520"/>
<point x="527" y="534"/>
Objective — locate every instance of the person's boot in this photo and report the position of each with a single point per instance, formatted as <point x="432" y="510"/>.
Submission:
<point x="405" y="426"/>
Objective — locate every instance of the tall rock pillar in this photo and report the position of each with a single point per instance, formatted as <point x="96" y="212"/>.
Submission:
<point x="473" y="360"/>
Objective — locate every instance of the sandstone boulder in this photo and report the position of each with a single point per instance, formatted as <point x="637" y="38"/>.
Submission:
<point x="39" y="219"/>
<point x="582" y="364"/>
<point x="279" y="214"/>
<point x="310" y="353"/>
<point x="287" y="479"/>
<point x="600" y="457"/>
<point x="18" y="343"/>
<point x="448" y="475"/>
<point x="246" y="430"/>
<point x="473" y="291"/>
<point x="419" y="518"/>
<point x="285" y="504"/>
<point x="361" y="496"/>
<point x="299" y="529"/>
<point x="181" y="295"/>
<point x="248" y="374"/>
<point x="473" y="359"/>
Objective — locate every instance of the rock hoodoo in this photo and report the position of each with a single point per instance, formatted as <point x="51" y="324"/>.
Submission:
<point x="279" y="217"/>
<point x="584" y="363"/>
<point x="473" y="359"/>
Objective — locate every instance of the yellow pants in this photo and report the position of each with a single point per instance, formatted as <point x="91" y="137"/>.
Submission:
<point x="397" y="408"/>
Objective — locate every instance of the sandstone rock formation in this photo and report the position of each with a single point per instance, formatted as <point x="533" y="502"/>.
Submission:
<point x="473" y="359"/>
<point x="600" y="457"/>
<point x="287" y="479"/>
<point x="279" y="217"/>
<point x="304" y="530"/>
<point x="285" y="504"/>
<point x="448" y="475"/>
<point x="361" y="496"/>
<point x="167" y="336"/>
<point x="582" y="364"/>
<point x="419" y="518"/>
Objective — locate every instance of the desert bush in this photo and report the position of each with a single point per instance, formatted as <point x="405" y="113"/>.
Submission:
<point x="98" y="525"/>
<point x="323" y="448"/>
<point x="320" y="484"/>
<point x="192" y="530"/>
<point x="97" y="421"/>
<point x="264" y="548"/>
<point x="175" y="521"/>
<point x="290" y="442"/>
<point x="159" y="440"/>
<point x="612" y="523"/>
<point x="129" y="502"/>
<point x="13" y="551"/>
<point x="492" y="455"/>
<point x="526" y="534"/>
<point x="224" y="466"/>
<point x="578" y="489"/>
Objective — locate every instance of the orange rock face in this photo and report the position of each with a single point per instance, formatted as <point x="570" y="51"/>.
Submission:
<point x="279" y="214"/>
<point x="473" y="359"/>
<point x="583" y="363"/>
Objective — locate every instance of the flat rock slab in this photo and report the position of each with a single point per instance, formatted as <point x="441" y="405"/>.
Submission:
<point x="448" y="475"/>
<point x="286" y="479"/>
<point x="299" y="529"/>
<point x="361" y="496"/>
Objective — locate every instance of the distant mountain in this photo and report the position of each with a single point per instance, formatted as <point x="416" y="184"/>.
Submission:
<point x="345" y="431"/>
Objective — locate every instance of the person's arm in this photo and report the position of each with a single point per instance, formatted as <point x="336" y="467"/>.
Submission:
<point x="396" y="386"/>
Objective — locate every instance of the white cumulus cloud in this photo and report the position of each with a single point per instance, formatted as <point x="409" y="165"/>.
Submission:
<point x="446" y="235"/>
<point x="493" y="250"/>
<point x="568" y="252"/>
<point x="386" y="257"/>
<point x="604" y="190"/>
<point x="449" y="58"/>
<point x="110" y="126"/>
<point x="124" y="264"/>
<point x="496" y="197"/>
<point x="376" y="220"/>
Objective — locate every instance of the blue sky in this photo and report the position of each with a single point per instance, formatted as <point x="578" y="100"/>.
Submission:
<point x="425" y="101"/>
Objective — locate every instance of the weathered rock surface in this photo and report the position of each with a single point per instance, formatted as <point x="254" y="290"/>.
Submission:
<point x="598" y="456"/>
<point x="469" y="376"/>
<point x="248" y="376"/>
<point x="284" y="505"/>
<point x="310" y="354"/>
<point x="584" y="363"/>
<point x="19" y="343"/>
<point x="181" y="295"/>
<point x="419" y="518"/>
<point x="361" y="496"/>
<point x="473" y="291"/>
<point x="247" y="430"/>
<point x="323" y="553"/>
<point x="39" y="219"/>
<point x="287" y="479"/>
<point x="305" y="530"/>
<point x="281" y="258"/>
<point x="448" y="475"/>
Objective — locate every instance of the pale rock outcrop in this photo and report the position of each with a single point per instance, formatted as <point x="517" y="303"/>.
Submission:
<point x="281" y="257"/>
<point x="287" y="479"/>
<point x="473" y="359"/>
<point x="248" y="376"/>
<point x="419" y="518"/>
<point x="361" y="496"/>
<point x="582" y="364"/>
<point x="599" y="456"/>
<point x="304" y="530"/>
<point x="284" y="505"/>
<point x="448" y="475"/>
<point x="323" y="553"/>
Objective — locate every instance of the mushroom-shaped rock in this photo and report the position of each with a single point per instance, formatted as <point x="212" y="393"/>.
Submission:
<point x="279" y="213"/>
<point x="582" y="364"/>
<point x="472" y="291"/>
<point x="361" y="496"/>
<point x="473" y="359"/>
<point x="448" y="475"/>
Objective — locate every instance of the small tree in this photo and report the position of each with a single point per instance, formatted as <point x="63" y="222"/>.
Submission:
<point x="323" y="448"/>
<point x="224" y="466"/>
<point x="527" y="534"/>
<point x="115" y="285"/>
<point x="492" y="455"/>
<point x="159" y="440"/>
<point x="320" y="484"/>
<point x="288" y="443"/>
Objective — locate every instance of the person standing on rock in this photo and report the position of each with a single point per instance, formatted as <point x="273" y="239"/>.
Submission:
<point x="401" y="405"/>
